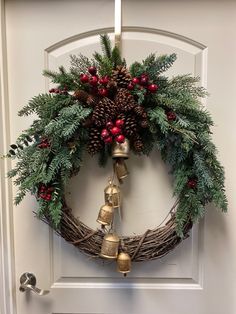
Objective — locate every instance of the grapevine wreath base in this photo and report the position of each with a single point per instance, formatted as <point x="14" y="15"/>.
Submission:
<point x="153" y="244"/>
<point x="107" y="109"/>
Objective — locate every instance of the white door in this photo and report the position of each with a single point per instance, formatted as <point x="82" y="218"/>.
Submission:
<point x="200" y="275"/>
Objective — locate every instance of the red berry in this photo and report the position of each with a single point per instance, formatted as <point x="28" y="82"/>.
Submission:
<point x="42" y="188"/>
<point x="48" y="197"/>
<point x="103" y="92"/>
<point x="171" y="116"/>
<point x="42" y="195"/>
<point x="93" y="81"/>
<point x="120" y="123"/>
<point x="152" y="88"/>
<point x="144" y="80"/>
<point x="105" y="133"/>
<point x="84" y="78"/>
<point x="51" y="189"/>
<point x="120" y="138"/>
<point x="135" y="80"/>
<point x="52" y="90"/>
<point x="104" y="80"/>
<point x="130" y="86"/>
<point x="115" y="130"/>
<point x="43" y="145"/>
<point x="108" y="140"/>
<point x="57" y="91"/>
<point x="192" y="183"/>
<point x="92" y="70"/>
<point x="109" y="125"/>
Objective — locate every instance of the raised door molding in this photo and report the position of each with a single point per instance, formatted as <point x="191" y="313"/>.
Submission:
<point x="183" y="269"/>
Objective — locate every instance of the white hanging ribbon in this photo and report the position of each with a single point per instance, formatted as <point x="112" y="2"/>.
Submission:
<point x="118" y="21"/>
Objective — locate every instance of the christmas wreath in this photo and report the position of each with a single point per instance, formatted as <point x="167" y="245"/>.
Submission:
<point x="106" y="108"/>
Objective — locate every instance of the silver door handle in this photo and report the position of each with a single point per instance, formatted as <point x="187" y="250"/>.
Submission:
<point x="28" y="282"/>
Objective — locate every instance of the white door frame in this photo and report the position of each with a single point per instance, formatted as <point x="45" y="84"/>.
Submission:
<point x="7" y="280"/>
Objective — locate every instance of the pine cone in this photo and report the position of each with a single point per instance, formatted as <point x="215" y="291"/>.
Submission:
<point x="138" y="145"/>
<point x="95" y="142"/>
<point x="140" y="111"/>
<point x="144" y="123"/>
<point x="124" y="100"/>
<point x="112" y="87"/>
<point x="121" y="116"/>
<point x="121" y="76"/>
<point x="84" y="97"/>
<point x="130" y="126"/>
<point x="141" y="116"/>
<point x="104" y="111"/>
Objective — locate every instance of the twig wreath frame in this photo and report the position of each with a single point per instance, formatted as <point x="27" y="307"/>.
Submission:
<point x="101" y="105"/>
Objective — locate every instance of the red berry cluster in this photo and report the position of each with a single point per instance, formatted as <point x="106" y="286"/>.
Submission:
<point x="98" y="84"/>
<point x="59" y="91"/>
<point x="44" y="143"/>
<point x="143" y="82"/>
<point x="171" y="116"/>
<point x="192" y="183"/>
<point x="45" y="192"/>
<point x="113" y="131"/>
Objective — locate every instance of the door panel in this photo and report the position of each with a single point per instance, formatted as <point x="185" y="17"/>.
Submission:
<point x="198" y="276"/>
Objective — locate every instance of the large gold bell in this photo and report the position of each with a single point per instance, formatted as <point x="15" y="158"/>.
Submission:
<point x="123" y="263"/>
<point x="121" y="169"/>
<point x="105" y="216"/>
<point x="110" y="246"/>
<point x="120" y="150"/>
<point x="112" y="195"/>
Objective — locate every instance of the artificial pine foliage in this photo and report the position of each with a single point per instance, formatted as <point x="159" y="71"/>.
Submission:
<point x="157" y="112"/>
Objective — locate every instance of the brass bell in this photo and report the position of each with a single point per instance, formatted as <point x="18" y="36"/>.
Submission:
<point x="123" y="263"/>
<point x="110" y="246"/>
<point x="105" y="216"/>
<point x="121" y="168"/>
<point x="120" y="150"/>
<point x="112" y="195"/>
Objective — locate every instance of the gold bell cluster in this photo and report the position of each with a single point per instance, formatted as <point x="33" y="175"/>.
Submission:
<point x="110" y="250"/>
<point x="112" y="196"/>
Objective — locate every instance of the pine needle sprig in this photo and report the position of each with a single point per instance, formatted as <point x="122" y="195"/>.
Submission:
<point x="106" y="45"/>
<point x="63" y="78"/>
<point x="154" y="66"/>
<point x="80" y="64"/>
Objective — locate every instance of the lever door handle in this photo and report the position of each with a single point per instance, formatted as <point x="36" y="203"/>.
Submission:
<point x="28" y="282"/>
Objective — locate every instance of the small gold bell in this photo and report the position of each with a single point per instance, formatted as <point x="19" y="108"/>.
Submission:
<point x="112" y="195"/>
<point x="121" y="169"/>
<point x="105" y="215"/>
<point x="110" y="246"/>
<point x="120" y="149"/>
<point x="123" y="263"/>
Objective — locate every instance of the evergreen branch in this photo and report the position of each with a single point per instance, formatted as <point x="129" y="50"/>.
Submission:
<point x="116" y="57"/>
<point x="106" y="45"/>
<point x="187" y="133"/>
<point x="158" y="116"/>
